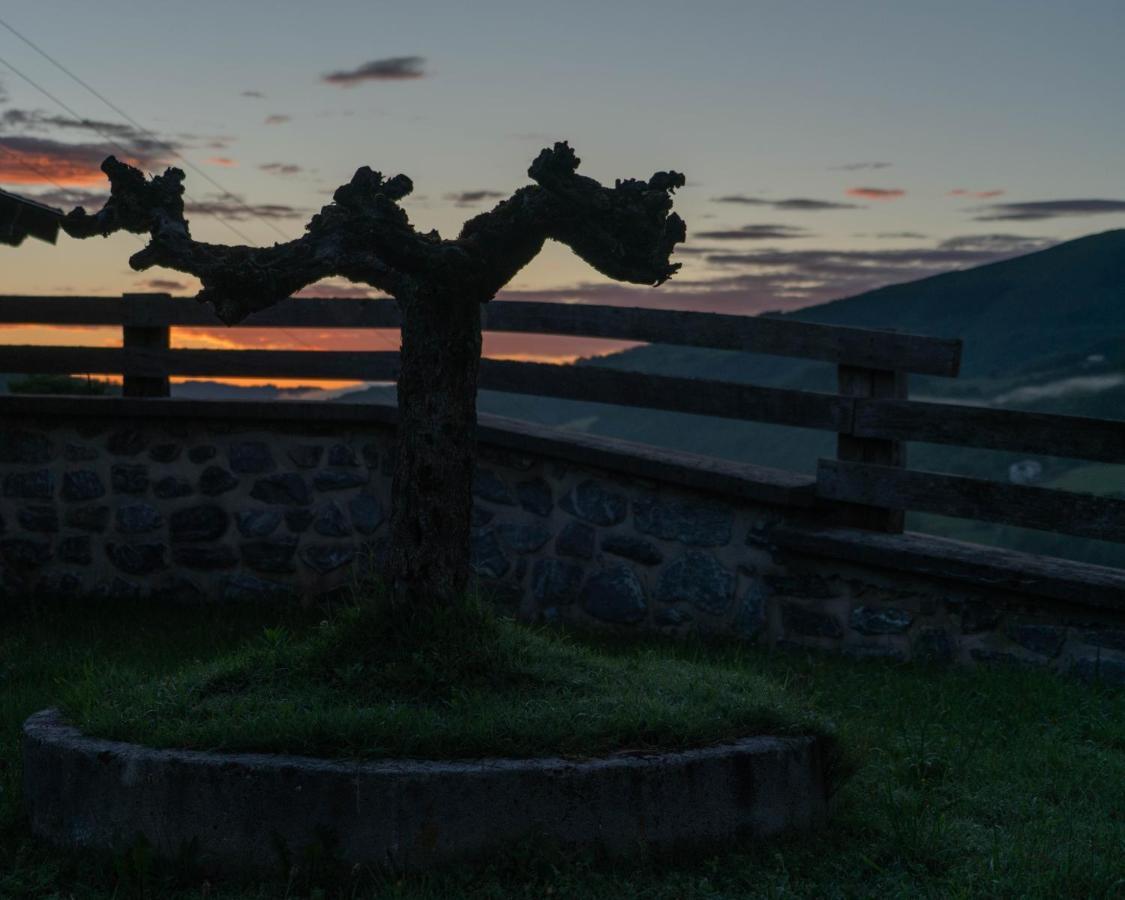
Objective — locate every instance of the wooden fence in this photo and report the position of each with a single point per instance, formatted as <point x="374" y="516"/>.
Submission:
<point x="867" y="483"/>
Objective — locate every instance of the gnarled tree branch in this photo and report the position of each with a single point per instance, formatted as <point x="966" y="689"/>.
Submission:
<point x="627" y="232"/>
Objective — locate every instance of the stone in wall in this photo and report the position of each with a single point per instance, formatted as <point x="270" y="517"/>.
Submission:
<point x="216" y="480"/>
<point x="698" y="524"/>
<point x="1046" y="640"/>
<point x="535" y="496"/>
<point x="257" y="522"/>
<point x="487" y="485"/>
<point x="39" y="518"/>
<point x="523" y="537"/>
<point x="873" y="621"/>
<point x="366" y="512"/>
<point x="634" y="548"/>
<point x="590" y="501"/>
<point x="19" y="446"/>
<point x="614" y="595"/>
<point x="698" y="579"/>
<point x="555" y="582"/>
<point x="88" y="518"/>
<point x="207" y="522"/>
<point x="486" y="556"/>
<point x="577" y="539"/>
<point x="250" y="458"/>
<point x="136" y="559"/>
<point x="284" y="488"/>
<point x="38" y="484"/>
<point x="82" y="484"/>
<point x="807" y="622"/>
<point x="126" y="442"/>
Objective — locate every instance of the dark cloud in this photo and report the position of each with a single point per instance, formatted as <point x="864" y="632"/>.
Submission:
<point x="68" y="198"/>
<point x="232" y="207"/>
<point x="900" y="235"/>
<point x="257" y="95"/>
<point x="163" y="284"/>
<point x="794" y="204"/>
<point x="1036" y="210"/>
<point x="277" y="168"/>
<point x="874" y="193"/>
<point x="857" y="166"/>
<point x="472" y="198"/>
<point x="755" y="233"/>
<point x="278" y="119"/>
<point x="36" y="120"/>
<point x="770" y="279"/>
<point x="393" y="68"/>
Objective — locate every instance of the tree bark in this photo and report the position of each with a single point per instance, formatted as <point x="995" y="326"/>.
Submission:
<point x="431" y="504"/>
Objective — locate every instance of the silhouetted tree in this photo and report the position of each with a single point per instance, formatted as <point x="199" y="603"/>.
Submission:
<point x="626" y="232"/>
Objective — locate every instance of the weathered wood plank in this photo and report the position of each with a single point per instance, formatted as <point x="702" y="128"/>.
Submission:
<point x="856" y="382"/>
<point x="687" y="395"/>
<point x="752" y="334"/>
<point x="756" y="334"/>
<point x="1082" y="515"/>
<point x="1000" y="572"/>
<point x="342" y="365"/>
<point x="142" y="337"/>
<point x="1047" y="434"/>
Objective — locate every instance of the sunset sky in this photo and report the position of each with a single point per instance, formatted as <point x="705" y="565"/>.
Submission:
<point x="829" y="147"/>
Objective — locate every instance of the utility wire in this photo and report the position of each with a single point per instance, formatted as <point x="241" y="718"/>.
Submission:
<point x="151" y="135"/>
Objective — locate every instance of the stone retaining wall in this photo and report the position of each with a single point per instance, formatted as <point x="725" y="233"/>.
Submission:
<point x="193" y="508"/>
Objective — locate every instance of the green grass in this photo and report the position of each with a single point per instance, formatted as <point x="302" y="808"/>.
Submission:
<point x="458" y="683"/>
<point x="987" y="783"/>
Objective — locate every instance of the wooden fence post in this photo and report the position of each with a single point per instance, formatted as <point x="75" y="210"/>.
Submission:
<point x="853" y="381"/>
<point x="144" y="337"/>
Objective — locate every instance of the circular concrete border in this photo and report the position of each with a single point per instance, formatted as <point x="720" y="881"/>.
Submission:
<point x="242" y="812"/>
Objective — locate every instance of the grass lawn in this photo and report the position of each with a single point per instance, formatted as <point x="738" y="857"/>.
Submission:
<point x="988" y="783"/>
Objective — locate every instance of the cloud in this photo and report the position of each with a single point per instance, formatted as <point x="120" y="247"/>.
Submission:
<point x="873" y="193"/>
<point x="1036" y="210"/>
<point x="224" y="161"/>
<point x="857" y="166"/>
<point x="278" y="119"/>
<point x="994" y="243"/>
<point x="900" y="235"/>
<point x="257" y="95"/>
<point x="795" y="204"/>
<point x="277" y="168"/>
<point x="755" y="233"/>
<point x="232" y="207"/>
<point x="392" y="68"/>
<point x="337" y="287"/>
<point x="471" y="198"/>
<point x="980" y="195"/>
<point x="39" y="160"/>
<point x="68" y="198"/>
<point x="163" y="284"/>
<point x="756" y="281"/>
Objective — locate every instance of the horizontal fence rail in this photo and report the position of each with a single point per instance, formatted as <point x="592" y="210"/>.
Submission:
<point x="779" y="337"/>
<point x="867" y="486"/>
<point x="1025" y="506"/>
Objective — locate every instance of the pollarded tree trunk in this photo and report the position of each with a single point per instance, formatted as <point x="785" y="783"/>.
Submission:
<point x="626" y="232"/>
<point x="431" y="508"/>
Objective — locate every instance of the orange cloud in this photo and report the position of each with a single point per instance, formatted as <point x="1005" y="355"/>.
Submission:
<point x="871" y="193"/>
<point x="36" y="160"/>
<point x="983" y="195"/>
<point x="225" y="161"/>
